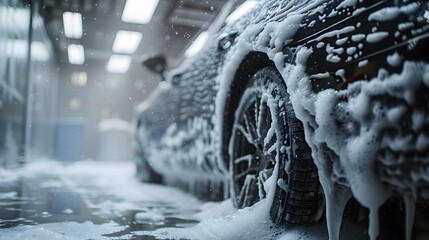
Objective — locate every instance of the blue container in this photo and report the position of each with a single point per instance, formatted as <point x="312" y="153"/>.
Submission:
<point x="69" y="140"/>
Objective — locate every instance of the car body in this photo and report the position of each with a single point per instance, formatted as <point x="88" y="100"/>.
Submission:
<point x="327" y="53"/>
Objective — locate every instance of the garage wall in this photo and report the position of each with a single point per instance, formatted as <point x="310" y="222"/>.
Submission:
<point x="28" y="85"/>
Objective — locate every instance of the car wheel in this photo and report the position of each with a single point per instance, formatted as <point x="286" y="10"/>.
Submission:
<point x="144" y="171"/>
<point x="266" y="133"/>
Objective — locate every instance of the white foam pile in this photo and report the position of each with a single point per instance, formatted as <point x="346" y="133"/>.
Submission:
<point x="248" y="223"/>
<point x="150" y="218"/>
<point x="220" y="221"/>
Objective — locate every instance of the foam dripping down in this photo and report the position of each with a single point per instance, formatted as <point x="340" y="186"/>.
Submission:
<point x="349" y="131"/>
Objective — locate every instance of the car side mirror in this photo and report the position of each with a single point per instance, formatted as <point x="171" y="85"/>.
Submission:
<point x="156" y="64"/>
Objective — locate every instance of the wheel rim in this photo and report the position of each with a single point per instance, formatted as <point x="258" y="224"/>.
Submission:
<point x="254" y="150"/>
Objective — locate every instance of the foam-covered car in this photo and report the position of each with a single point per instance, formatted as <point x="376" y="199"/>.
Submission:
<point x="304" y="103"/>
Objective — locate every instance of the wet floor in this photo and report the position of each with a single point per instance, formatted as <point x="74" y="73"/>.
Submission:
<point x="105" y="200"/>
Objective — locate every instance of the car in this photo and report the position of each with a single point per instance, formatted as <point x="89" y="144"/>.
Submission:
<point x="303" y="103"/>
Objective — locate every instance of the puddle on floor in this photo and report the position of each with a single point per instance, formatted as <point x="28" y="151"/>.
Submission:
<point x="39" y="203"/>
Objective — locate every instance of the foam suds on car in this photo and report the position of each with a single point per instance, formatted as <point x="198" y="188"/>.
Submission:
<point x="363" y="136"/>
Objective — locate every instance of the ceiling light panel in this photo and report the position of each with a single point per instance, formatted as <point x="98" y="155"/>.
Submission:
<point x="139" y="11"/>
<point x="126" y="42"/>
<point x="118" y="63"/>
<point x="72" y="24"/>
<point x="76" y="54"/>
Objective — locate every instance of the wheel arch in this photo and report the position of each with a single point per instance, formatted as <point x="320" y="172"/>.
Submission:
<point x="251" y="63"/>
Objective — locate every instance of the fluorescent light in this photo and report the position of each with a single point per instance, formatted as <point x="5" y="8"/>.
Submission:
<point x="118" y="63"/>
<point x="126" y="42"/>
<point x="198" y="44"/>
<point x="72" y="24"/>
<point x="139" y="11"/>
<point x="240" y="11"/>
<point x="76" y="54"/>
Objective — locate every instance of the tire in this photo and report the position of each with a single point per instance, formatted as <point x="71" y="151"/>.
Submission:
<point x="144" y="171"/>
<point x="263" y="119"/>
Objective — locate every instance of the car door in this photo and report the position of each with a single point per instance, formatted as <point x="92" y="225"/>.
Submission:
<point x="351" y="40"/>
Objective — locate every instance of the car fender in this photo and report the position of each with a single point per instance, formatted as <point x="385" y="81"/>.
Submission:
<point x="258" y="46"/>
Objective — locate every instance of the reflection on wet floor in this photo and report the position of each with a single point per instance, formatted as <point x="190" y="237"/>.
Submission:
<point x="47" y="198"/>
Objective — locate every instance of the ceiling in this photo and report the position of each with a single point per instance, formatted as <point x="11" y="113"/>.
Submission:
<point x="174" y="24"/>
